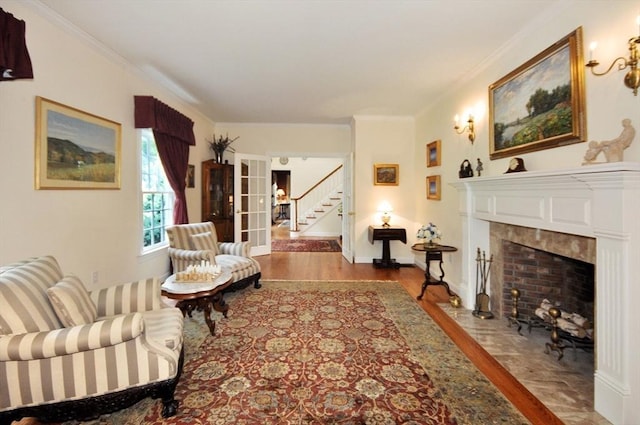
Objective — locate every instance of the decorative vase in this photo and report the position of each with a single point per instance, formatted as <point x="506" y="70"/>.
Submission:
<point x="218" y="156"/>
<point x="429" y="244"/>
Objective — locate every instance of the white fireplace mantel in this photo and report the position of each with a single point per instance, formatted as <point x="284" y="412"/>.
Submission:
<point x="600" y="201"/>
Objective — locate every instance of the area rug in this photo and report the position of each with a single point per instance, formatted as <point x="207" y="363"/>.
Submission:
<point x="356" y="352"/>
<point x="305" y="245"/>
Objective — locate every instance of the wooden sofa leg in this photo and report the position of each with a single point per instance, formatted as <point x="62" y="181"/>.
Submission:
<point x="169" y="407"/>
<point x="257" y="284"/>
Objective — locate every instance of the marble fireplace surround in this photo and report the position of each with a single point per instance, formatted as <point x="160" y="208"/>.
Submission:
<point x="600" y="201"/>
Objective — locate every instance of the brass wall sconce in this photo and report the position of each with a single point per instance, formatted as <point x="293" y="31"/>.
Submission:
<point x="632" y="79"/>
<point x="468" y="127"/>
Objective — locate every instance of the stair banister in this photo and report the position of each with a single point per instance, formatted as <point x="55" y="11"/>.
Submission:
<point x="299" y="200"/>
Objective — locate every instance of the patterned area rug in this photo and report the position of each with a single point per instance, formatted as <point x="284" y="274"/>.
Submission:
<point x="305" y="245"/>
<point x="325" y="353"/>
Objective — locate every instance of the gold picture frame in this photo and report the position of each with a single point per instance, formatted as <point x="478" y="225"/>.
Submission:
<point x="75" y="149"/>
<point x="386" y="174"/>
<point x="540" y="104"/>
<point x="191" y="176"/>
<point x="433" y="187"/>
<point x="433" y="154"/>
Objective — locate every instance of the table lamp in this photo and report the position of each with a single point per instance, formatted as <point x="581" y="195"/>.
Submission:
<point x="385" y="208"/>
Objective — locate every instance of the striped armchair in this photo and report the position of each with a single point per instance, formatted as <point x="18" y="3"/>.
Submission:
<point x="66" y="353"/>
<point x="192" y="243"/>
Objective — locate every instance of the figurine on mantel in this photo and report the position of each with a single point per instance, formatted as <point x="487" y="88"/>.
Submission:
<point x="613" y="149"/>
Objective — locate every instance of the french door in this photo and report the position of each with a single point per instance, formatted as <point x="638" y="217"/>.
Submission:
<point x="347" y="209"/>
<point x="252" y="203"/>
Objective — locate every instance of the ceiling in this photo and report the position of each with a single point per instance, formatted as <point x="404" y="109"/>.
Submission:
<point x="302" y="61"/>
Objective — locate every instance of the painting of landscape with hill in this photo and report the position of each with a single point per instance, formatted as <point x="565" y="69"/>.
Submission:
<point x="76" y="150"/>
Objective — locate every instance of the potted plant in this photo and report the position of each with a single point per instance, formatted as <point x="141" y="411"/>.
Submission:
<point x="220" y="145"/>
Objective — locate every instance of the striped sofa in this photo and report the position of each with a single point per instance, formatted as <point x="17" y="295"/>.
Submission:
<point x="66" y="353"/>
<point x="192" y="243"/>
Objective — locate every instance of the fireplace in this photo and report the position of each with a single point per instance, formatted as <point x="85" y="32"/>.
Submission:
<point x="592" y="211"/>
<point x="541" y="264"/>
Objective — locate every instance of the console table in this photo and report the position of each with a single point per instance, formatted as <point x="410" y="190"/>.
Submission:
<point x="433" y="253"/>
<point x="386" y="234"/>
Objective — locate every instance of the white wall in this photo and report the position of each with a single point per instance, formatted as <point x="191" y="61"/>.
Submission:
<point x="383" y="140"/>
<point x="86" y="230"/>
<point x="608" y="101"/>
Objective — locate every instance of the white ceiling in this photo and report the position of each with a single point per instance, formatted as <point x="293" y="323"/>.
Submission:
<point x="303" y="61"/>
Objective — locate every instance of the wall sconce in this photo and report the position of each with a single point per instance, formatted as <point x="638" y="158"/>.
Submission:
<point x="385" y="208"/>
<point x="632" y="79"/>
<point x="468" y="127"/>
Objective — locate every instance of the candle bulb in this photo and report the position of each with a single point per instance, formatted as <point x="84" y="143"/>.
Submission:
<point x="592" y="48"/>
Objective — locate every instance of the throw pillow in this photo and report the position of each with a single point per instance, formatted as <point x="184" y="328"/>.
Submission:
<point x="204" y="241"/>
<point x="71" y="302"/>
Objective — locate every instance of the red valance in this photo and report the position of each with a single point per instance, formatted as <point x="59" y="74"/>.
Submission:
<point x="15" y="62"/>
<point x="151" y="113"/>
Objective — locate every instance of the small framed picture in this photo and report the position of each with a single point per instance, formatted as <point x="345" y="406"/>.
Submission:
<point x="386" y="174"/>
<point x="433" y="154"/>
<point x="433" y="187"/>
<point x="191" y="176"/>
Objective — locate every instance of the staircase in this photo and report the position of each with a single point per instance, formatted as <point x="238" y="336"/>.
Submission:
<point x="321" y="199"/>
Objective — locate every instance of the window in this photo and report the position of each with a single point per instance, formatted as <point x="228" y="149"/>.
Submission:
<point x="157" y="195"/>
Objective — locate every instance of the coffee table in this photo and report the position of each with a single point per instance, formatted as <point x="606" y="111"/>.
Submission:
<point x="199" y="296"/>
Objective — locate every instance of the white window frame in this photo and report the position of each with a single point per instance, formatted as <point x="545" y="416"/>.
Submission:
<point x="153" y="172"/>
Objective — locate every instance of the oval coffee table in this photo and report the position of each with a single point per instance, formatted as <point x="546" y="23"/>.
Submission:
<point x="199" y="296"/>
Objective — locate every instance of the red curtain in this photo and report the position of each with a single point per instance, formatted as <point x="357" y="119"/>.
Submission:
<point x="173" y="133"/>
<point x="15" y="62"/>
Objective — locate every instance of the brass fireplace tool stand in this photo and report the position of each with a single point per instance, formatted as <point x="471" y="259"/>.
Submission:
<point x="483" y="267"/>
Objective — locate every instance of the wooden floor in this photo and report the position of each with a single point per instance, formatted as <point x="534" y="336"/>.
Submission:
<point x="332" y="266"/>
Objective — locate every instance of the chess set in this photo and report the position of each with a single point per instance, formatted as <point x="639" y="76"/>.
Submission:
<point x="204" y="272"/>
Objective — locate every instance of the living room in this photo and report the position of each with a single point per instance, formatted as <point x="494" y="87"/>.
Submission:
<point x="96" y="233"/>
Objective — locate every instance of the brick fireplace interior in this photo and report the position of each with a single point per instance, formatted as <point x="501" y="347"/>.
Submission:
<point x="541" y="265"/>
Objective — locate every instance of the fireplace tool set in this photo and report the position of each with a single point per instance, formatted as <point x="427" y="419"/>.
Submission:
<point x="483" y="267"/>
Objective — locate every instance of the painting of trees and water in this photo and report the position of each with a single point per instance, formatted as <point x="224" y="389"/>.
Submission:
<point x="538" y="105"/>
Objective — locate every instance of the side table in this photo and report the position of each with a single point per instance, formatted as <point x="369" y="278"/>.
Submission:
<point x="199" y="296"/>
<point x="433" y="253"/>
<point x="386" y="234"/>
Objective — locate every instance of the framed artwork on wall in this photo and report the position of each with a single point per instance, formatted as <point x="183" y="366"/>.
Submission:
<point x="433" y="187"/>
<point x="75" y="149"/>
<point x="386" y="174"/>
<point x="433" y="154"/>
<point x="191" y="175"/>
<point x="540" y="104"/>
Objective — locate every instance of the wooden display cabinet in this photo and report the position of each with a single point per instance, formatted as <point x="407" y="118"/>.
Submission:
<point x="217" y="198"/>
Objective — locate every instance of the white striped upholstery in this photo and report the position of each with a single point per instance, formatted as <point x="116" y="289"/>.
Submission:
<point x="25" y="305"/>
<point x="234" y="257"/>
<point x="136" y="339"/>
<point x="71" y="302"/>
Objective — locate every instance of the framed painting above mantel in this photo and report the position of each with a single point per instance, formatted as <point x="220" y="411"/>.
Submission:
<point x="540" y="104"/>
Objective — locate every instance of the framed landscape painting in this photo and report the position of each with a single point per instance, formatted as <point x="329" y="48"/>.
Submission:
<point x="433" y="154"/>
<point x="385" y="174"/>
<point x="75" y="149"/>
<point x="540" y="105"/>
<point x="433" y="187"/>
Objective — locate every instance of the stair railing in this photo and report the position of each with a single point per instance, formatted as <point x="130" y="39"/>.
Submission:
<point x="304" y="204"/>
